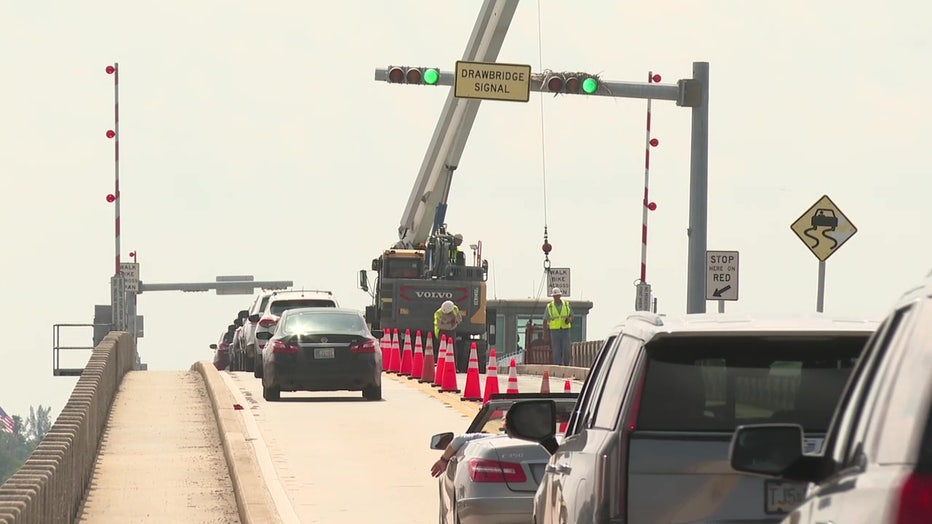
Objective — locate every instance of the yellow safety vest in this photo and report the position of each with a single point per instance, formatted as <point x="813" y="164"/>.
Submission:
<point x="561" y="319"/>
<point x="445" y="324"/>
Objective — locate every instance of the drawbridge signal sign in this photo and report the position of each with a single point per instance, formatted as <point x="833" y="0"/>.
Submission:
<point x="823" y="228"/>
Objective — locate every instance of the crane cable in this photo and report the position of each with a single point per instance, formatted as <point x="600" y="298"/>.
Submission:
<point x="543" y="157"/>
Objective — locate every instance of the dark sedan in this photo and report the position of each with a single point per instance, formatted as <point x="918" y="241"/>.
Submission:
<point x="322" y="349"/>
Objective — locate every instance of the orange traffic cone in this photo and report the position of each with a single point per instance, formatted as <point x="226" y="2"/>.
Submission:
<point x="545" y="383"/>
<point x="395" y="363"/>
<point x="566" y="386"/>
<point x="472" y="391"/>
<point x="407" y="358"/>
<point x="449" y="374"/>
<point x="386" y="345"/>
<point x="417" y="368"/>
<point x="512" y="377"/>
<point x="427" y="368"/>
<point x="438" y="377"/>
<point x="491" y="377"/>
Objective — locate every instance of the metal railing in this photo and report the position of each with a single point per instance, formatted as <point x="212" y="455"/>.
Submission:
<point x="57" y="347"/>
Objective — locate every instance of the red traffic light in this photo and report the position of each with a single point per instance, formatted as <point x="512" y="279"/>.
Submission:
<point x="652" y="206"/>
<point x="110" y="133"/>
<point x="111" y="198"/>
<point x="555" y="84"/>
<point x="110" y="70"/>
<point x="655" y="78"/>
<point x="396" y="75"/>
<point x="654" y="142"/>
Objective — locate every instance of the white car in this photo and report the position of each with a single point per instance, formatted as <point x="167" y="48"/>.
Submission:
<point x="277" y="303"/>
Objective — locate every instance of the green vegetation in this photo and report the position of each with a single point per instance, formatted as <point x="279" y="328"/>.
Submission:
<point x="16" y="447"/>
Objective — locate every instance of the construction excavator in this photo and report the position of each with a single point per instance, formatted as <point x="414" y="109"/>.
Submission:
<point x="424" y="267"/>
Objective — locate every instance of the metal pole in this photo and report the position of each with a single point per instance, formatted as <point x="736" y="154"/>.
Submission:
<point x="116" y="158"/>
<point x="721" y="306"/>
<point x="820" y="297"/>
<point x="646" y="204"/>
<point x="698" y="195"/>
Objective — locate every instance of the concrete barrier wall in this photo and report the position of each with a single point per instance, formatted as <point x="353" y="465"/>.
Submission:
<point x="50" y="486"/>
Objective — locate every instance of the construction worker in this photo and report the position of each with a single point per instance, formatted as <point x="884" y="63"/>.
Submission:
<point x="559" y="319"/>
<point x="456" y="254"/>
<point x="446" y="319"/>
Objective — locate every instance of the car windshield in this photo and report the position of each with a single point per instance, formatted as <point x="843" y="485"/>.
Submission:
<point x="493" y="420"/>
<point x="717" y="383"/>
<point x="280" y="306"/>
<point x="325" y="322"/>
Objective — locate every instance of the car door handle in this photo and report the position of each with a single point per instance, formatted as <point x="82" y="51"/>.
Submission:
<point x="558" y="468"/>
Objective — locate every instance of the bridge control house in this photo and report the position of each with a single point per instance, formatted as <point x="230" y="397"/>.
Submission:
<point x="519" y="328"/>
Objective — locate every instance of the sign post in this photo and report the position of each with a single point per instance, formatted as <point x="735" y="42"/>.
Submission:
<point x="559" y="277"/>
<point x="721" y="278"/>
<point x="492" y="81"/>
<point x="824" y="229"/>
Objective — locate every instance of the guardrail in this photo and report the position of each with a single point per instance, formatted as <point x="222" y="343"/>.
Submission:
<point x="50" y="486"/>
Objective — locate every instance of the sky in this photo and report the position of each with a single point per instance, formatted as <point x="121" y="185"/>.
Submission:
<point x="254" y="140"/>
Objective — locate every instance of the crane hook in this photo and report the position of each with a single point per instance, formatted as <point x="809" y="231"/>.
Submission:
<point x="546" y="248"/>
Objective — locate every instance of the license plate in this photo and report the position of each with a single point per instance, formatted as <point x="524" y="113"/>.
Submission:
<point x="323" y="352"/>
<point x="782" y="497"/>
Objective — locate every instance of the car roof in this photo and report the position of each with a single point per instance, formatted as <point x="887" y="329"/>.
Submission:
<point x="923" y="290"/>
<point x="645" y="325"/>
<point x="322" y="310"/>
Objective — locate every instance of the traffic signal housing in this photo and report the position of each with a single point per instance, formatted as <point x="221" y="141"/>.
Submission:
<point x="413" y="75"/>
<point x="570" y="83"/>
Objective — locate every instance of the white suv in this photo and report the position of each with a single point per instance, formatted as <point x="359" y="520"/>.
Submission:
<point x="277" y="303"/>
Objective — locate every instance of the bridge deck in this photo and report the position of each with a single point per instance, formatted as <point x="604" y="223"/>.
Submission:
<point x="161" y="456"/>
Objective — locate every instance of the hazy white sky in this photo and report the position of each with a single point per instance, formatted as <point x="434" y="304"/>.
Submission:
<point x="254" y="140"/>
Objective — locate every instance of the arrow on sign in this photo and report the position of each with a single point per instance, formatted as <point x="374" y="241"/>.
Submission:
<point x="718" y="292"/>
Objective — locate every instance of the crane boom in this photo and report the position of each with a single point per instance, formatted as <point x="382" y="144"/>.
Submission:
<point x="427" y="204"/>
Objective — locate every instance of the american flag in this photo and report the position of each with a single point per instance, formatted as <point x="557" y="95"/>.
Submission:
<point x="7" y="421"/>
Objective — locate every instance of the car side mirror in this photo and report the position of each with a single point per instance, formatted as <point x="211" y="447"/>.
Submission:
<point x="377" y="333"/>
<point x="441" y="440"/>
<point x="243" y="314"/>
<point x="363" y="280"/>
<point x="263" y="335"/>
<point x="766" y="449"/>
<point x="534" y="420"/>
<point x="254" y="317"/>
<point x="213" y="346"/>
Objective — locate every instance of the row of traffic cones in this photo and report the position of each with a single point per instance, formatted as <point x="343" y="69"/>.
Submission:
<point x="419" y="364"/>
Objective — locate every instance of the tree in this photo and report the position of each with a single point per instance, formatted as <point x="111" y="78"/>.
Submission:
<point x="39" y="424"/>
<point x="16" y="447"/>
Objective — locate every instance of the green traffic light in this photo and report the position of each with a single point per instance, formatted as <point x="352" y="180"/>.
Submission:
<point x="590" y="85"/>
<point x="431" y="77"/>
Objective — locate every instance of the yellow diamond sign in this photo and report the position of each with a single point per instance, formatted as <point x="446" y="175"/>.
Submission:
<point x="823" y="228"/>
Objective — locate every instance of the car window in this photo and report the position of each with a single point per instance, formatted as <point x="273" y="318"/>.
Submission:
<point x="616" y="383"/>
<point x="265" y="303"/>
<point x="709" y="383"/>
<point x="280" y="306"/>
<point x="314" y="322"/>
<point x="594" y="379"/>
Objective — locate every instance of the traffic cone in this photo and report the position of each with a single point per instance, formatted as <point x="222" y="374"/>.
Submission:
<point x="491" y="378"/>
<point x="407" y="357"/>
<point x="472" y="391"/>
<point x="566" y="386"/>
<point x="438" y="376"/>
<point x="545" y="383"/>
<point x="427" y="370"/>
<point x="449" y="374"/>
<point x="386" y="345"/>
<point x="512" y="377"/>
<point x="395" y="363"/>
<point x="417" y="368"/>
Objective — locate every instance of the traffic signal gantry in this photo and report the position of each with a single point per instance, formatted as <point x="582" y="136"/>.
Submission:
<point x="512" y="82"/>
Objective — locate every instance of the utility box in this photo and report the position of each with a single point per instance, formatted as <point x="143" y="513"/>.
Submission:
<point x="103" y="322"/>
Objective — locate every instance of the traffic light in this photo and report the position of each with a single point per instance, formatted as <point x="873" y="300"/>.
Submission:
<point x="413" y="75"/>
<point x="571" y="83"/>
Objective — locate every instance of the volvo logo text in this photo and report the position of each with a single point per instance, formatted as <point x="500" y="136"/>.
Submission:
<point x="434" y="294"/>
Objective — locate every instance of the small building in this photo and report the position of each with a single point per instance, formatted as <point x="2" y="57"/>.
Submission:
<point x="519" y="324"/>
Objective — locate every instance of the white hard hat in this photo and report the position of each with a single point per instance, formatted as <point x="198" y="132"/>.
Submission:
<point x="447" y="307"/>
<point x="458" y="236"/>
<point x="556" y="292"/>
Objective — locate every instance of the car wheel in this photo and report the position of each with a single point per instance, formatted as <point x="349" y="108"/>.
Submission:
<point x="272" y="394"/>
<point x="372" y="392"/>
<point x="257" y="366"/>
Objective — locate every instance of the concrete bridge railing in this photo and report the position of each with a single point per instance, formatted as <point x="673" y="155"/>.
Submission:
<point x="50" y="486"/>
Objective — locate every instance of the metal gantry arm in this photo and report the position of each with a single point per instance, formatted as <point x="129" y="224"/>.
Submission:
<point x="426" y="206"/>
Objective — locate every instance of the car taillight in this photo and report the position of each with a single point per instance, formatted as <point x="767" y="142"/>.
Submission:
<point x="368" y="346"/>
<point x="915" y="503"/>
<point x="281" y="347"/>
<point x="484" y="470"/>
<point x="268" y="322"/>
